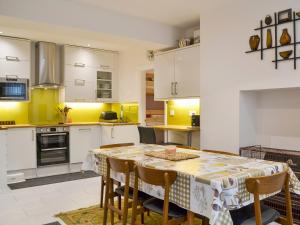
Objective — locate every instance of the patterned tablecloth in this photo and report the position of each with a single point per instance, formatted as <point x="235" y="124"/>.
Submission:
<point x="210" y="185"/>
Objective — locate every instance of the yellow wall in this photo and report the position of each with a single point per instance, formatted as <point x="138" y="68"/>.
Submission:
<point x="131" y="111"/>
<point x="182" y="109"/>
<point x="42" y="109"/>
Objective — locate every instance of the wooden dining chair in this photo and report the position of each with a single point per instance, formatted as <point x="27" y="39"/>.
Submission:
<point x="220" y="152"/>
<point x="103" y="178"/>
<point x="125" y="167"/>
<point x="260" y="214"/>
<point x="172" y="214"/>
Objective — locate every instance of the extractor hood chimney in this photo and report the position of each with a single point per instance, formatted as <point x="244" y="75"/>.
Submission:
<point x="48" y="68"/>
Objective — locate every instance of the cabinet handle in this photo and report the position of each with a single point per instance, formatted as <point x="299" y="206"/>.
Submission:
<point x="85" y="129"/>
<point x="32" y="135"/>
<point x="112" y="132"/>
<point x="105" y="66"/>
<point x="79" y="82"/>
<point x="12" y="58"/>
<point x="79" y="64"/>
<point x="172" y="85"/>
<point x="176" y="88"/>
<point x="14" y="77"/>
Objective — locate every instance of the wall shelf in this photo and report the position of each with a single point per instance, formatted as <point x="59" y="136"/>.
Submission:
<point x="275" y="25"/>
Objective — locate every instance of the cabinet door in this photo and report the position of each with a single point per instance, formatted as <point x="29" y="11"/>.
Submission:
<point x="79" y="56"/>
<point x="163" y="76"/>
<point x="21" y="152"/>
<point x="80" y="91"/>
<point x="104" y="60"/>
<point x="14" y="49"/>
<point x="187" y="72"/>
<point x="20" y="69"/>
<point x="119" y="134"/>
<point x="87" y="74"/>
<point x="82" y="140"/>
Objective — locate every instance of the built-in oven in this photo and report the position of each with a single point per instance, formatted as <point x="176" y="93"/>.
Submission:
<point x="52" y="146"/>
<point x="13" y="88"/>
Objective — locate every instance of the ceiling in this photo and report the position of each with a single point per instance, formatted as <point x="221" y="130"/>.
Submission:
<point x="179" y="13"/>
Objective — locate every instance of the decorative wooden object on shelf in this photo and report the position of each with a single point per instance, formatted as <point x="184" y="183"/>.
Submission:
<point x="285" y="38"/>
<point x="286" y="54"/>
<point x="268" y="20"/>
<point x="269" y="39"/>
<point x="254" y="42"/>
<point x="286" y="17"/>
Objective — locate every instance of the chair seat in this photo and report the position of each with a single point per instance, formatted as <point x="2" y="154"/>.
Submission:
<point x="141" y="195"/>
<point x="157" y="205"/>
<point x="246" y="215"/>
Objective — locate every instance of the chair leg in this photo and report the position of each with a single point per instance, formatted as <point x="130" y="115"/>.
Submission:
<point x="190" y="218"/>
<point x="106" y="205"/>
<point x="119" y="201"/>
<point x="102" y="191"/>
<point x="111" y="202"/>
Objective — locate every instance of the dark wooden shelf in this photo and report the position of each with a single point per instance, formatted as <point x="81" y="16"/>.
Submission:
<point x="279" y="46"/>
<point x="289" y="59"/>
<point x="278" y="24"/>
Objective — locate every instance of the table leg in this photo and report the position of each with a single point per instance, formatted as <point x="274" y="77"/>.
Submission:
<point x="190" y="217"/>
<point x="189" y="139"/>
<point x="167" y="138"/>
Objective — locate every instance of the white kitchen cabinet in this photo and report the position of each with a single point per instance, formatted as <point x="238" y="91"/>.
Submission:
<point x="119" y="134"/>
<point x="21" y="148"/>
<point x="82" y="140"/>
<point x="177" y="73"/>
<point x="90" y="75"/>
<point x="15" y="57"/>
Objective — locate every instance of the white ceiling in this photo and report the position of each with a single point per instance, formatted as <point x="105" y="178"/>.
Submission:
<point x="179" y="13"/>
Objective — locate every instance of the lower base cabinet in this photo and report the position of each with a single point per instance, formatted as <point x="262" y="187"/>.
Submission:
<point x="82" y="140"/>
<point x="119" y="134"/>
<point x="21" y="149"/>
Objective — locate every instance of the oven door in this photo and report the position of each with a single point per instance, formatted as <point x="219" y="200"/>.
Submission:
<point x="53" y="148"/>
<point x="14" y="89"/>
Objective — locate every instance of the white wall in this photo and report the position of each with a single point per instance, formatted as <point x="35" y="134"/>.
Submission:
<point x="226" y="69"/>
<point x="3" y="186"/>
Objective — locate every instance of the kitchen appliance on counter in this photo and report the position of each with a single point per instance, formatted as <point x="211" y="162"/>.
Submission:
<point x="13" y="88"/>
<point x="109" y="116"/>
<point x="195" y="120"/>
<point x="52" y="145"/>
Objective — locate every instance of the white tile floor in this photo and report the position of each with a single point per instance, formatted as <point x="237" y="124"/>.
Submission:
<point x="38" y="205"/>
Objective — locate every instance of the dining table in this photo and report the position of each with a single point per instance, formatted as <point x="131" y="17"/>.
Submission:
<point x="209" y="184"/>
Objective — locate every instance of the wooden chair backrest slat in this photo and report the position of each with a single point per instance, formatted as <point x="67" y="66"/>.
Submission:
<point x="120" y="165"/>
<point x="219" y="152"/>
<point x="266" y="184"/>
<point x="116" y="145"/>
<point x="156" y="177"/>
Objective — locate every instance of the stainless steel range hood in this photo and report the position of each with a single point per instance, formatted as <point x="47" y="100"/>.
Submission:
<point x="48" y="68"/>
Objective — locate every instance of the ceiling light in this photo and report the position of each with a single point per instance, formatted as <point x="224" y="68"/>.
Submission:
<point x="1" y="32"/>
<point x="88" y="45"/>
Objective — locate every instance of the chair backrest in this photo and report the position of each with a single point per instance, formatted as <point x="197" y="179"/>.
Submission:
<point x="147" y="135"/>
<point x="219" y="152"/>
<point x="187" y="147"/>
<point x="116" y="145"/>
<point x="120" y="165"/>
<point x="266" y="184"/>
<point x="156" y="177"/>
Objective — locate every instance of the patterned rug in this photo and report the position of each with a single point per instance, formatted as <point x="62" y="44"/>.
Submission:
<point x="94" y="216"/>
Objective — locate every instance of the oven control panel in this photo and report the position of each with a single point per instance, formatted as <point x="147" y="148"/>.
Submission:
<point x="52" y="129"/>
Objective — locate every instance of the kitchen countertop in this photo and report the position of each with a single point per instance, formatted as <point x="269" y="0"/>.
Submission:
<point x="176" y="128"/>
<point x="4" y="127"/>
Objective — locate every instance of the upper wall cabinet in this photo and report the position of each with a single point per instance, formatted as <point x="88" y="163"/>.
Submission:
<point x="177" y="73"/>
<point x="90" y="75"/>
<point x="15" y="57"/>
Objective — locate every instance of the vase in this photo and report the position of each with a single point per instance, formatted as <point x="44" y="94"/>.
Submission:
<point x="285" y="38"/>
<point x="254" y="42"/>
<point x="269" y="39"/>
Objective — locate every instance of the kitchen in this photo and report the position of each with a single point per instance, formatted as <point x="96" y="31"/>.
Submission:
<point x="75" y="84"/>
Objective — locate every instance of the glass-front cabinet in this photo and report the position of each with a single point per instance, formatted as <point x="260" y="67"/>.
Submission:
<point x="90" y="75"/>
<point x="104" y="85"/>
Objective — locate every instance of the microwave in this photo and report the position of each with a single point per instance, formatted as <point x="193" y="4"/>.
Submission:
<point x="13" y="88"/>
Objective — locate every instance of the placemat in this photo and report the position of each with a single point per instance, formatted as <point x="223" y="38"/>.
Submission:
<point x="172" y="157"/>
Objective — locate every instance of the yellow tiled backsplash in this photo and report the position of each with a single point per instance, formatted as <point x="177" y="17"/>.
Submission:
<point x="182" y="109"/>
<point x="42" y="109"/>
